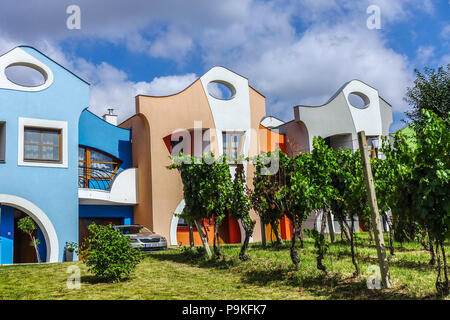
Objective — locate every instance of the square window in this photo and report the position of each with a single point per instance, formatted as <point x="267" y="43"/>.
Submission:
<point x="42" y="144"/>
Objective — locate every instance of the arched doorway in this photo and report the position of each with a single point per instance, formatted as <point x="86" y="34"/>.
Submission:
<point x="41" y="220"/>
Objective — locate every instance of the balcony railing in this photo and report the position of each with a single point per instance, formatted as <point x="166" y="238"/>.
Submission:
<point x="107" y="187"/>
<point x="95" y="178"/>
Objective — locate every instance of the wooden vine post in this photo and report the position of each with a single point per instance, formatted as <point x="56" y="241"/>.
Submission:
<point x="375" y="217"/>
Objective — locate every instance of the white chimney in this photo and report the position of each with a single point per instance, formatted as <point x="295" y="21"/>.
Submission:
<point x="110" y="117"/>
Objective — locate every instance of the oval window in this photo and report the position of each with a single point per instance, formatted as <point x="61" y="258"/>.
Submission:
<point x="358" y="100"/>
<point x="221" y="90"/>
<point x="25" y="76"/>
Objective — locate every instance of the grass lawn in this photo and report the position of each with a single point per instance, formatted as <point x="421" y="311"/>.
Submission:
<point x="178" y="274"/>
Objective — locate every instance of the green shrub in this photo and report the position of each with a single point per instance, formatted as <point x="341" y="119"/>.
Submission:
<point x="108" y="254"/>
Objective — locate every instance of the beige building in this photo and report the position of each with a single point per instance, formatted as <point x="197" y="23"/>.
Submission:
<point x="198" y="119"/>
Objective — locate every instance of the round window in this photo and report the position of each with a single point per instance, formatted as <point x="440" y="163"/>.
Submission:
<point x="358" y="100"/>
<point x="25" y="76"/>
<point x="221" y="90"/>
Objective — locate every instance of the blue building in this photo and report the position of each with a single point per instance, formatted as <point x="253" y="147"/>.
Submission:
<point x="107" y="181"/>
<point x="59" y="164"/>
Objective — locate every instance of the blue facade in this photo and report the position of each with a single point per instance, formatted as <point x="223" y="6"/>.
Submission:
<point x="53" y="190"/>
<point x="116" y="142"/>
<point x="126" y="213"/>
<point x="49" y="191"/>
<point x="100" y="135"/>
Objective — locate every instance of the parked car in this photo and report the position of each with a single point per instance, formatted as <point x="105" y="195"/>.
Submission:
<point x="143" y="238"/>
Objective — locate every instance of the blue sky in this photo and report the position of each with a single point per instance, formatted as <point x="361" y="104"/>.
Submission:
<point x="294" y="52"/>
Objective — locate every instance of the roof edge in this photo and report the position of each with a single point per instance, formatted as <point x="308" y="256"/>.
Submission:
<point x="27" y="46"/>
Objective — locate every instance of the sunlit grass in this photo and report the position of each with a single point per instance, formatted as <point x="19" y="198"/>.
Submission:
<point x="180" y="274"/>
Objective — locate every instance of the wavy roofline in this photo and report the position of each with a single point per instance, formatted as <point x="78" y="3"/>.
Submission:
<point x="338" y="92"/>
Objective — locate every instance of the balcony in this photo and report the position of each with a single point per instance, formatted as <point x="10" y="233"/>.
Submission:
<point x="95" y="178"/>
<point x="104" y="187"/>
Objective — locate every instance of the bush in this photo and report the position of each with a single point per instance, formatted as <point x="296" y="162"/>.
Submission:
<point x="108" y="254"/>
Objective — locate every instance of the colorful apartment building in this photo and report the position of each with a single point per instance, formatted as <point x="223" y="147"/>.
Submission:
<point x="67" y="168"/>
<point x="60" y="164"/>
<point x="356" y="106"/>
<point x="196" y="122"/>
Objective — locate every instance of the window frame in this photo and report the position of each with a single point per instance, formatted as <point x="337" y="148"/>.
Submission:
<point x="42" y="145"/>
<point x="230" y="143"/>
<point x="48" y="125"/>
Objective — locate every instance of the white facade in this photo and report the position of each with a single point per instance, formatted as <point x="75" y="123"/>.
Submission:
<point x="340" y="121"/>
<point x="18" y="57"/>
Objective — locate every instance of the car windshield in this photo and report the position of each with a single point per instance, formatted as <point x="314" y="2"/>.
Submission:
<point x="134" y="230"/>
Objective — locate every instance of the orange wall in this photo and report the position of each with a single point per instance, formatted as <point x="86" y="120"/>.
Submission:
<point x="270" y="141"/>
<point x="143" y="211"/>
<point x="284" y="228"/>
<point x="183" y="235"/>
<point x="229" y="233"/>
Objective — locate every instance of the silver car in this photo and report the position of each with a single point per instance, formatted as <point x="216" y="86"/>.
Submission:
<point x="143" y="238"/>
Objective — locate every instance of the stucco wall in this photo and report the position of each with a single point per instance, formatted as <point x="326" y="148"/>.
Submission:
<point x="339" y="118"/>
<point x="160" y="189"/>
<point x="164" y="116"/>
<point x="103" y="136"/>
<point x="296" y="136"/>
<point x="52" y="190"/>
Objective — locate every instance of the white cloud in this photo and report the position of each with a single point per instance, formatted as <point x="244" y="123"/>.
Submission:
<point x="172" y="44"/>
<point x="113" y="89"/>
<point x="445" y="33"/>
<point x="161" y="86"/>
<point x="399" y="10"/>
<point x="6" y="44"/>
<point x="254" y="38"/>
<point x="424" y="54"/>
<point x="308" y="69"/>
<point x="110" y="86"/>
<point x="445" y="60"/>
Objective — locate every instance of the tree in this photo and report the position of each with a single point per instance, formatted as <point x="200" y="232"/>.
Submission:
<point x="393" y="178"/>
<point x="323" y="164"/>
<point x="240" y="208"/>
<point x="396" y="187"/>
<point x="431" y="91"/>
<point x="207" y="189"/>
<point x="264" y="191"/>
<point x="337" y="203"/>
<point x="301" y="196"/>
<point x="217" y="192"/>
<point x="321" y="167"/>
<point x="431" y="195"/>
<point x="28" y="226"/>
<point x="321" y="245"/>
<point x="420" y="194"/>
<point x="350" y="175"/>
<point x="288" y="197"/>
<point x="193" y="174"/>
<point x="382" y="170"/>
